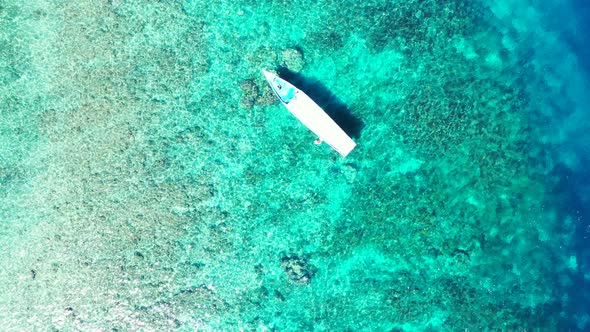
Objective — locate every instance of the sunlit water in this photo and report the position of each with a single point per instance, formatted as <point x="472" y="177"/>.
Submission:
<point x="151" y="181"/>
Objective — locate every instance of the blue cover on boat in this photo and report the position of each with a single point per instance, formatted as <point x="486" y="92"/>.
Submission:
<point x="284" y="90"/>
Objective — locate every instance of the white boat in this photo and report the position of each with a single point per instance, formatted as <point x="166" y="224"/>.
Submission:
<point x="310" y="114"/>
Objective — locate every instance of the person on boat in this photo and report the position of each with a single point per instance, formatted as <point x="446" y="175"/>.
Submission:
<point x="286" y="94"/>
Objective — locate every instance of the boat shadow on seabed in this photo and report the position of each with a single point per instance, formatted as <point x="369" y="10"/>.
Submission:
<point x="335" y="108"/>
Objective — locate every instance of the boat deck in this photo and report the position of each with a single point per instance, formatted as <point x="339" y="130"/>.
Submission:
<point x="310" y="114"/>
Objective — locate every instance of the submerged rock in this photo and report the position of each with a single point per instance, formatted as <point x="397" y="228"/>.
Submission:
<point x="292" y="58"/>
<point x="267" y="97"/>
<point x="250" y="93"/>
<point x="298" y="269"/>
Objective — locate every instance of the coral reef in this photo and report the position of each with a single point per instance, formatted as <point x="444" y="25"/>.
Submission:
<point x="150" y="181"/>
<point x="292" y="58"/>
<point x="298" y="270"/>
<point x="249" y="93"/>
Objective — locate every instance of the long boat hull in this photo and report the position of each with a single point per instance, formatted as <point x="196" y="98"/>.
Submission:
<point x="310" y="114"/>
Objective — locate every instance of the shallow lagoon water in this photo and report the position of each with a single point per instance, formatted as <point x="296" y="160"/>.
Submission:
<point x="150" y="180"/>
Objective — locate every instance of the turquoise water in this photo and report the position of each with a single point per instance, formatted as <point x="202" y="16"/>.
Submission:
<point x="151" y="181"/>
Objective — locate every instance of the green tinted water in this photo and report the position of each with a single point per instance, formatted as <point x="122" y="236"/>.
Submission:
<point x="151" y="181"/>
